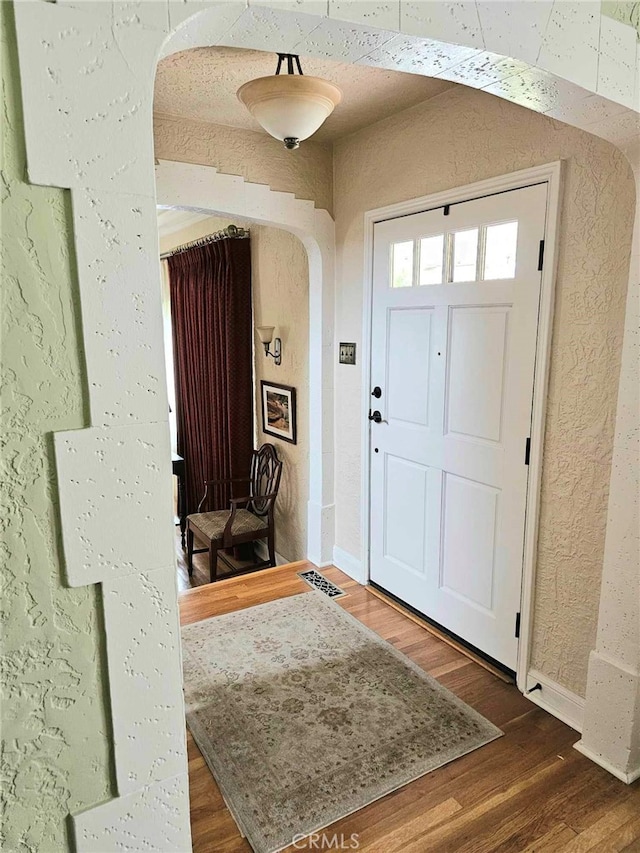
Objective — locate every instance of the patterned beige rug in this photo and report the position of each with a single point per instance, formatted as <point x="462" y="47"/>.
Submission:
<point x="304" y="715"/>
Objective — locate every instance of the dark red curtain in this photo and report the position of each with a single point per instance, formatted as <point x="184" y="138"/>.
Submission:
<point x="210" y="289"/>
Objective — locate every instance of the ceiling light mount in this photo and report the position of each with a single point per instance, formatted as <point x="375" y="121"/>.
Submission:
<point x="290" y="107"/>
<point x="290" y="58"/>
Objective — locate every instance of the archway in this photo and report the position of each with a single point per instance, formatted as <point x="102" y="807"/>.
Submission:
<point x="192" y="187"/>
<point x="87" y="79"/>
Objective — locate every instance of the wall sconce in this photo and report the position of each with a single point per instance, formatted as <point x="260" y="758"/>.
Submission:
<point x="265" y="334"/>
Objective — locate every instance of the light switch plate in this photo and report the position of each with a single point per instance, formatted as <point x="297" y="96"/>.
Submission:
<point x="347" y="353"/>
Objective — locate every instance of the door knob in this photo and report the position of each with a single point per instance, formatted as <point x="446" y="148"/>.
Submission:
<point x="377" y="392"/>
<point x="376" y="417"/>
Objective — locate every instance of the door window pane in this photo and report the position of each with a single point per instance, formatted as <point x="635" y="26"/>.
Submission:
<point x="500" y="250"/>
<point x="402" y="264"/>
<point x="431" y="259"/>
<point x="465" y="254"/>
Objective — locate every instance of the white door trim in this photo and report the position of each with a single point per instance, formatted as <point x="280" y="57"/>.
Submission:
<point x="550" y="173"/>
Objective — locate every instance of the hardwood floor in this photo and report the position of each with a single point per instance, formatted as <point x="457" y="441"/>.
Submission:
<point x="527" y="791"/>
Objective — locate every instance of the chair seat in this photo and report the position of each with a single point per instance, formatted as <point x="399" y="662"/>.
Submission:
<point x="212" y="524"/>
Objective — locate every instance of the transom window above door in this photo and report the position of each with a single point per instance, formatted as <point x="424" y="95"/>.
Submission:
<point x="485" y="253"/>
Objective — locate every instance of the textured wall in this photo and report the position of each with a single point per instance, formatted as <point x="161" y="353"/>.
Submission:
<point x="256" y="157"/>
<point x="614" y="665"/>
<point x="281" y="299"/>
<point x="619" y="624"/>
<point x="280" y="272"/>
<point x="56" y="755"/>
<point x="466" y="136"/>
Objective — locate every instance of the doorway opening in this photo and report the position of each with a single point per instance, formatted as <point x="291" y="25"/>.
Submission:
<point x="279" y="296"/>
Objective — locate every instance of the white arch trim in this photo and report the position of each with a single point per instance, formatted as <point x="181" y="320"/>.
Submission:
<point x="87" y="72"/>
<point x="564" y="60"/>
<point x="203" y="188"/>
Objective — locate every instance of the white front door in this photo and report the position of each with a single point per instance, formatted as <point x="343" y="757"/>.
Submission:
<point x="454" y="325"/>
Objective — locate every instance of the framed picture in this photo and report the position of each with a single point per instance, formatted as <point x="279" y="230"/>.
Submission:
<point x="279" y="410"/>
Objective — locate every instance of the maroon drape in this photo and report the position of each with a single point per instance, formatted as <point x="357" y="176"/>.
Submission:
<point x="210" y="289"/>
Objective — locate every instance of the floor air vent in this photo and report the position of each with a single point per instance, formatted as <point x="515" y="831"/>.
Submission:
<point x="315" y="579"/>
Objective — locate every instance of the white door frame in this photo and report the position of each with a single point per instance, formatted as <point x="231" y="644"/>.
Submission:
<point x="551" y="174"/>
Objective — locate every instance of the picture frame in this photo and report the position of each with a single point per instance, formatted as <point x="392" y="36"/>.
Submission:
<point x="278" y="403"/>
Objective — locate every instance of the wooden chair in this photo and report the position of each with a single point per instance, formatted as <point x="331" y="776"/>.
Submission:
<point x="248" y="519"/>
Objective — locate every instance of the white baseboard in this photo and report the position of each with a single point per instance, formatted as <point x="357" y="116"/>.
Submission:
<point x="627" y="778"/>
<point x="556" y="699"/>
<point x="349" y="564"/>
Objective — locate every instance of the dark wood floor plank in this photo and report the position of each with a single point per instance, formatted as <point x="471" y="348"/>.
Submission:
<point x="510" y="827"/>
<point x="633" y="847"/>
<point x="489" y="825"/>
<point x="551" y="841"/>
<point x="598" y="837"/>
<point x="393" y="835"/>
<point x="625" y="835"/>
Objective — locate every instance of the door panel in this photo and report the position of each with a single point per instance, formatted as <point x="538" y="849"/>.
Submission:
<point x="475" y="382"/>
<point x="405" y="516"/>
<point x="454" y="325"/>
<point x="409" y="337"/>
<point x="469" y="515"/>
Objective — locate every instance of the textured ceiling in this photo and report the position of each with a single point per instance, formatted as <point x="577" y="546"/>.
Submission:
<point x="202" y="83"/>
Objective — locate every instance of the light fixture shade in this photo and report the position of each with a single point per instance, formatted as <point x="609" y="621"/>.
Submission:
<point x="288" y="106"/>
<point x="265" y="333"/>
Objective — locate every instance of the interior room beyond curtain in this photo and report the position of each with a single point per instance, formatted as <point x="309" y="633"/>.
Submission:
<point x="210" y="289"/>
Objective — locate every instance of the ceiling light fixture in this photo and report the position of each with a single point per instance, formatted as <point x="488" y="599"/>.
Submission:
<point x="290" y="107"/>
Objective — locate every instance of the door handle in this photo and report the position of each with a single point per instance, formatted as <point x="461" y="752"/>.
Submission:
<point x="376" y="417"/>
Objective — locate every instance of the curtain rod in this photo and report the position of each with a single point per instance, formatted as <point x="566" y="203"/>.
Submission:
<point x="230" y="232"/>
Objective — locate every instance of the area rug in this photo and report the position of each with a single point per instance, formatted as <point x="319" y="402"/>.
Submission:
<point x="304" y="715"/>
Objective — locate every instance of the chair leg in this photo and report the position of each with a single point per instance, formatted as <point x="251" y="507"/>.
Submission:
<point x="190" y="551"/>
<point x="213" y="563"/>
<point x="272" y="547"/>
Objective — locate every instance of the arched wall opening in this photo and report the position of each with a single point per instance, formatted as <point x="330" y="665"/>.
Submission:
<point x="190" y="187"/>
<point x="87" y="80"/>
